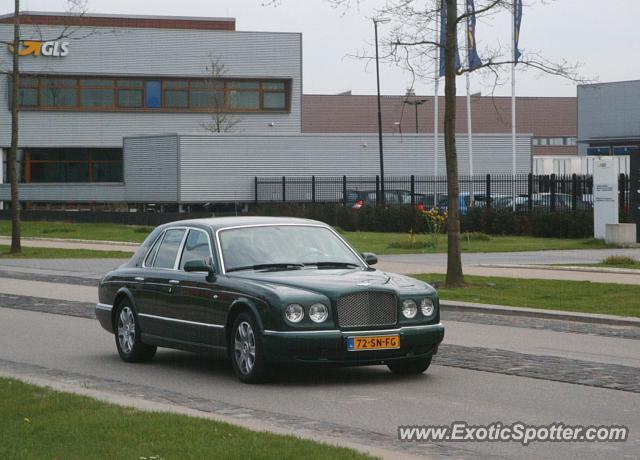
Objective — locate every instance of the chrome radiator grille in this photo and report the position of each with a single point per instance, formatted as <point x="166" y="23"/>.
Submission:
<point x="367" y="309"/>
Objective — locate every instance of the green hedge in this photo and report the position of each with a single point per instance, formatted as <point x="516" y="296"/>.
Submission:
<point x="578" y="224"/>
<point x="405" y="218"/>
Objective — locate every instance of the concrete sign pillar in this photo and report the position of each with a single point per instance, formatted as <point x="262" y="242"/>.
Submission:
<point x="605" y="195"/>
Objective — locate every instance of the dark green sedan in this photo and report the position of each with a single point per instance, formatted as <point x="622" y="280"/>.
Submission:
<point x="268" y="292"/>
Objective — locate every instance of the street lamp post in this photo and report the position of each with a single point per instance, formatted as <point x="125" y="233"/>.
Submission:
<point x="416" y="103"/>
<point x="375" y="28"/>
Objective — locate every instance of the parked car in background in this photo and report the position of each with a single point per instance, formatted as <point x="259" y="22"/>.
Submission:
<point x="464" y="201"/>
<point x="267" y="291"/>
<point x="358" y="199"/>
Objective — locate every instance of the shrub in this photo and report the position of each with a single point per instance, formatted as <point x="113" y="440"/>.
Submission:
<point x="619" y="260"/>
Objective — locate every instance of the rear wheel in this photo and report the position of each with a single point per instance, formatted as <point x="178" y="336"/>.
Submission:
<point x="410" y="366"/>
<point x="130" y="348"/>
<point x="247" y="356"/>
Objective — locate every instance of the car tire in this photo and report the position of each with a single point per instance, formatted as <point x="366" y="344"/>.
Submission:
<point x="410" y="366"/>
<point x="246" y="350"/>
<point x="127" y="335"/>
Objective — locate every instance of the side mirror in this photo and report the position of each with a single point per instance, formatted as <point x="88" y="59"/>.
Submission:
<point x="200" y="266"/>
<point x="370" y="258"/>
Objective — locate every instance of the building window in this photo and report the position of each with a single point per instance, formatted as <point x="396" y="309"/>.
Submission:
<point x="555" y="141"/>
<point x="274" y="95"/>
<point x="176" y="94"/>
<point x="244" y="95"/>
<point x="61" y="165"/>
<point x="28" y="92"/>
<point x="207" y="95"/>
<point x="97" y="93"/>
<point x="130" y="94"/>
<point x="58" y="92"/>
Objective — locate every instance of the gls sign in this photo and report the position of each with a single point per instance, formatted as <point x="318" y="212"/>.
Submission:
<point x="54" y="48"/>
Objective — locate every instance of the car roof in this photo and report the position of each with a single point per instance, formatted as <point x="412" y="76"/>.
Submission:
<point x="217" y="223"/>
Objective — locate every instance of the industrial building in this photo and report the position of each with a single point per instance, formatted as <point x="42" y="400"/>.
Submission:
<point x="99" y="94"/>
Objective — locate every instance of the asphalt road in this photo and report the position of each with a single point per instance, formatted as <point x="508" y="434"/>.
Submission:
<point x="351" y="400"/>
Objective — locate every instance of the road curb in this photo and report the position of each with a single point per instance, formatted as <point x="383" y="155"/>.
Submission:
<point x="450" y="305"/>
<point x="74" y="240"/>
<point x="566" y="268"/>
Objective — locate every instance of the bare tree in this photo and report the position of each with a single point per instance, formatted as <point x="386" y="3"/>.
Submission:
<point x="222" y="120"/>
<point x="77" y="7"/>
<point x="412" y="44"/>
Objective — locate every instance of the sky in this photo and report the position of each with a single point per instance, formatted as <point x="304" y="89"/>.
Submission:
<point x="601" y="35"/>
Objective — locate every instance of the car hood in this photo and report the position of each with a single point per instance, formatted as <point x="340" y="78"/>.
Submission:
<point x="333" y="282"/>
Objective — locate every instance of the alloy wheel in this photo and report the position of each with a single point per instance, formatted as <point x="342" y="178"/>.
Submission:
<point x="245" y="348"/>
<point x="126" y="330"/>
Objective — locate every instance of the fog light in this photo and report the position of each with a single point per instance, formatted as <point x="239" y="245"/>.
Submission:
<point x="427" y="307"/>
<point x="318" y="312"/>
<point x="294" y="313"/>
<point x="409" y="308"/>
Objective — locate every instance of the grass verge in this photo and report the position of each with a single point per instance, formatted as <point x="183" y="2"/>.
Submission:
<point x="377" y="242"/>
<point x="399" y="243"/>
<point x="41" y="423"/>
<point x="577" y="296"/>
<point x="59" y="253"/>
<point x="83" y="231"/>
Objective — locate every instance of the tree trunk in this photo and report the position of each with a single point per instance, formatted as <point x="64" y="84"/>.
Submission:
<point x="13" y="151"/>
<point x="454" y="262"/>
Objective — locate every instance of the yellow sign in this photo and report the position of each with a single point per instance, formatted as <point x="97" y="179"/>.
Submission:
<point x="54" y="48"/>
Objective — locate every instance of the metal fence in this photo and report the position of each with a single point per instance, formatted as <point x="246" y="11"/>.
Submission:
<point x="523" y="193"/>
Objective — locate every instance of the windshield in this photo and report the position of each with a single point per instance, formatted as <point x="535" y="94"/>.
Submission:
<point x="286" y="246"/>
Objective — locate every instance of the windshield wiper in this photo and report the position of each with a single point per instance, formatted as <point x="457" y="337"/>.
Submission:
<point x="334" y="264"/>
<point x="280" y="266"/>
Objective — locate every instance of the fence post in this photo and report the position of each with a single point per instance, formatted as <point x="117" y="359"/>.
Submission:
<point x="574" y="192"/>
<point x="488" y="190"/>
<point x="530" y="192"/>
<point x="377" y="190"/>
<point x="552" y="189"/>
<point x="413" y="190"/>
<point x="344" y="191"/>
<point x="255" y="184"/>
<point x="313" y="189"/>
<point x="284" y="189"/>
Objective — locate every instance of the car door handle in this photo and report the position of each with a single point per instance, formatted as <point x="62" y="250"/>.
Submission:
<point x="174" y="282"/>
<point x="139" y="278"/>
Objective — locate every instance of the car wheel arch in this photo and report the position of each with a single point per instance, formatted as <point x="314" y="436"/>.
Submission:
<point x="122" y="295"/>
<point x="238" y="306"/>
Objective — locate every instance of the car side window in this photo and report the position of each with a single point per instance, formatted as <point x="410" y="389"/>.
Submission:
<point x="152" y="253"/>
<point x="195" y="248"/>
<point x="169" y="248"/>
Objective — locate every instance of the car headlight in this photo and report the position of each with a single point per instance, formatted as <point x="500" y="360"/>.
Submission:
<point x="294" y="312"/>
<point x="318" y="312"/>
<point x="427" y="307"/>
<point x="409" y="308"/>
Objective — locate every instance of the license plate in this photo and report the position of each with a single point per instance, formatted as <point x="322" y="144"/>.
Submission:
<point x="379" y="342"/>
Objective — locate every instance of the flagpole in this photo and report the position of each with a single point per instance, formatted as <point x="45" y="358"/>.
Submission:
<point x="469" y="128"/>
<point x="513" y="105"/>
<point x="435" y="99"/>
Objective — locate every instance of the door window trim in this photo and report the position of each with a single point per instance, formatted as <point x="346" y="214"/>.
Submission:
<point x="184" y="243"/>
<point x="176" y="262"/>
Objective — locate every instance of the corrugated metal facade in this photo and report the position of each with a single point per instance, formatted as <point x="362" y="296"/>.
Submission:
<point x="73" y="193"/>
<point x="151" y="169"/>
<point x="150" y="52"/>
<point x="608" y="111"/>
<point x="222" y="168"/>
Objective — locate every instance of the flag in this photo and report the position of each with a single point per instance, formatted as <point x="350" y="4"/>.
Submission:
<point x="517" y="15"/>
<point x="472" y="50"/>
<point x="443" y="38"/>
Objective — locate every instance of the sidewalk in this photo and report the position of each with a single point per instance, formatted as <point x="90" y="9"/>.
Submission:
<point x="502" y="264"/>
